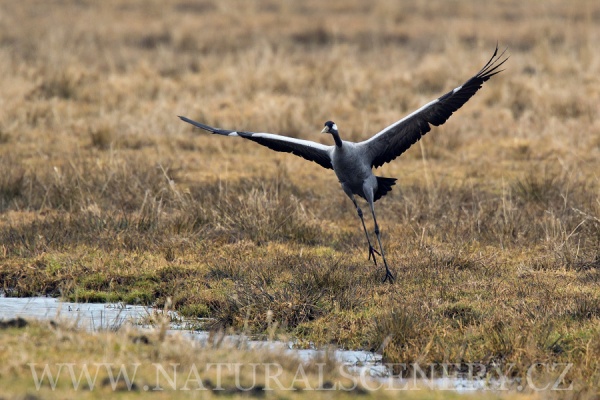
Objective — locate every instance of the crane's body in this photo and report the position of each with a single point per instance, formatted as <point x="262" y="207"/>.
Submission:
<point x="351" y="169"/>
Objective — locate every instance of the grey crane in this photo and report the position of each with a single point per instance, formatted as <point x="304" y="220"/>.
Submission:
<point x="353" y="162"/>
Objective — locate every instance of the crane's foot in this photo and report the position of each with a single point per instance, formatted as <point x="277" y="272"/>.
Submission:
<point x="388" y="276"/>
<point x="372" y="253"/>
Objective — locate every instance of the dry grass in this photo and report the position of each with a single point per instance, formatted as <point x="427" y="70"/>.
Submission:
<point x="129" y="363"/>
<point x="493" y="229"/>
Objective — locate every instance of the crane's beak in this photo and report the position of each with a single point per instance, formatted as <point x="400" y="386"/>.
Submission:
<point x="325" y="130"/>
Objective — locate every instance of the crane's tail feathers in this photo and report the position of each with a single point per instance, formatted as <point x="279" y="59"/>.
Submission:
<point x="384" y="185"/>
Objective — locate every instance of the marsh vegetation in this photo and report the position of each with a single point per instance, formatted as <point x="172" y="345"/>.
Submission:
<point x="493" y="229"/>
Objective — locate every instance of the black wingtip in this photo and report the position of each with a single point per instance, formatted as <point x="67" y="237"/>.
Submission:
<point x="196" y="124"/>
<point x="491" y="68"/>
<point x="206" y="127"/>
<point x="185" y="119"/>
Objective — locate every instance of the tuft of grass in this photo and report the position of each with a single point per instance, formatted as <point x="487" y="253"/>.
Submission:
<point x="63" y="85"/>
<point x="535" y="189"/>
<point x="92" y="296"/>
<point x="102" y="138"/>
<point x="462" y="314"/>
<point x="4" y="137"/>
<point x="12" y="184"/>
<point x="152" y="41"/>
<point x="315" y="37"/>
<point x="268" y="289"/>
<point x="400" y="333"/>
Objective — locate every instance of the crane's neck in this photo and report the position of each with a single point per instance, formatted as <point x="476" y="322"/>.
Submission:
<point x="336" y="138"/>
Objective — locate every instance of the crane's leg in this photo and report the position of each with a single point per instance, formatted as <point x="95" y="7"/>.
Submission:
<point x="388" y="273"/>
<point x="372" y="250"/>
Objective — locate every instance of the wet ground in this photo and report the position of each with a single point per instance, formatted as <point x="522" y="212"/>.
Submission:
<point x="112" y="316"/>
<point x="88" y="316"/>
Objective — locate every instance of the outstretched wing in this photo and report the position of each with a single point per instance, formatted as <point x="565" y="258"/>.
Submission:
<point x="306" y="149"/>
<point x="398" y="137"/>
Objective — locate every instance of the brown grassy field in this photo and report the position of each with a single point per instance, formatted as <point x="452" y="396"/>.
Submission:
<point x="493" y="229"/>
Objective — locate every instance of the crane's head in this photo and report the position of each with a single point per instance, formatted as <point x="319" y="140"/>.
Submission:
<point x="330" y="127"/>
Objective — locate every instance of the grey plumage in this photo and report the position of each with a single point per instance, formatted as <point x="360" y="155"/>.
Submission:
<point x="353" y="162"/>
